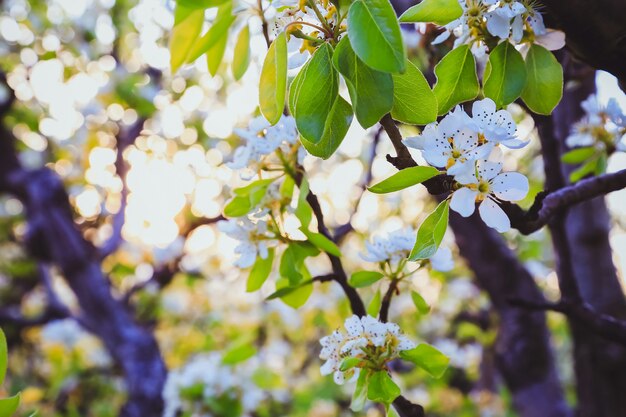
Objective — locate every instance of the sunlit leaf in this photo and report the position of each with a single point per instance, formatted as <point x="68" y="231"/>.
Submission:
<point x="241" y="57"/>
<point x="375" y="35"/>
<point x="440" y="12"/>
<point x="260" y="271"/>
<point x="413" y="100"/>
<point x="184" y="34"/>
<point x="505" y="75"/>
<point x="364" y="278"/>
<point x="273" y="81"/>
<point x="431" y="232"/>
<point x="428" y="358"/>
<point x="404" y="178"/>
<point x="544" y="87"/>
<point x="456" y="79"/>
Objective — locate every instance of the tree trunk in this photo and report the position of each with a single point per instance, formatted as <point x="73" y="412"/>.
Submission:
<point x="600" y="366"/>
<point x="523" y="353"/>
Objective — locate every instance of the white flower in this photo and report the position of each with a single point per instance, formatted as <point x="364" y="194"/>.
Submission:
<point x="395" y="247"/>
<point x="604" y="126"/>
<point x="254" y="239"/>
<point x="366" y="338"/>
<point x="261" y="140"/>
<point x="451" y="143"/>
<point x="494" y="125"/>
<point x="442" y="260"/>
<point x="486" y="186"/>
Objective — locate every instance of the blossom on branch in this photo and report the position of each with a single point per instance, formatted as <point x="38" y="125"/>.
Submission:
<point x="373" y="342"/>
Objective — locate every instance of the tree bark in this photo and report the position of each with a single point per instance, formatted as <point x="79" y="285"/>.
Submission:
<point x="54" y="238"/>
<point x="600" y="365"/>
<point x="522" y="352"/>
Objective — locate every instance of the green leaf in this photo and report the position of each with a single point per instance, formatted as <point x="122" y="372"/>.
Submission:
<point x="421" y="304"/>
<point x="4" y="356"/>
<point x="246" y="198"/>
<point x="431" y="233"/>
<point x="505" y="74"/>
<point x="313" y="94"/>
<point x="428" y="358"/>
<point x="349" y="363"/>
<point x="304" y="212"/>
<point x="294" y="297"/>
<point x="371" y="91"/>
<point x="260" y="271"/>
<point x="241" y="57"/>
<point x="292" y="261"/>
<point x="588" y="168"/>
<point x="456" y="79"/>
<point x="273" y="80"/>
<point x="544" y="87"/>
<point x="440" y="12"/>
<point x="381" y="388"/>
<point x="212" y="40"/>
<point x="187" y="27"/>
<point x="374" y="306"/>
<point x="360" y="392"/>
<point x="413" y="100"/>
<point x="364" y="278"/>
<point x="578" y="155"/>
<point x="335" y="131"/>
<point x="239" y="353"/>
<point x="8" y="406"/>
<point x="403" y="179"/>
<point x="375" y="35"/>
<point x="266" y="379"/>
<point x="215" y="54"/>
<point x="321" y="242"/>
<point x="200" y="4"/>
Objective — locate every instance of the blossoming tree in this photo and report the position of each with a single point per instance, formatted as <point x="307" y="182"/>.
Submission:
<point x="231" y="244"/>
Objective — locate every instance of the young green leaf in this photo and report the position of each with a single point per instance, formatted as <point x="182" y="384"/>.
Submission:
<point x="335" y="130"/>
<point x="239" y="353"/>
<point x="349" y="363"/>
<point x="364" y="278"/>
<point x="214" y="37"/>
<point x="381" y="388"/>
<point x="505" y="74"/>
<point x="273" y="81"/>
<point x="578" y="155"/>
<point x="428" y="358"/>
<point x="456" y="79"/>
<point x="241" y="58"/>
<point x="4" y="355"/>
<point x="430" y="234"/>
<point x="313" y="94"/>
<point x="419" y="302"/>
<point x="413" y="100"/>
<point x="544" y="87"/>
<point x="260" y="271"/>
<point x="321" y="242"/>
<point x="8" y="406"/>
<point x="440" y="12"/>
<point x="200" y="4"/>
<point x="246" y="198"/>
<point x="303" y="211"/>
<point x="374" y="306"/>
<point x="360" y="392"/>
<point x="292" y="261"/>
<point x="215" y="54"/>
<point x="588" y="168"/>
<point x="375" y="35"/>
<point x="187" y="27"/>
<point x="404" y="178"/>
<point x="371" y="91"/>
<point x="295" y="297"/>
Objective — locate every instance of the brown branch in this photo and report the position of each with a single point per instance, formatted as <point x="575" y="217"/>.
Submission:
<point x="406" y="408"/>
<point x="602" y="324"/>
<point x="386" y="302"/>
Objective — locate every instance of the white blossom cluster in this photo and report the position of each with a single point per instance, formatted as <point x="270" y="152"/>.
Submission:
<point x="468" y="148"/>
<point x="516" y="21"/>
<point x="365" y="338"/>
<point x="604" y="127"/>
<point x="206" y="378"/>
<point x="397" y="246"/>
<point x="262" y="139"/>
<point x="254" y="238"/>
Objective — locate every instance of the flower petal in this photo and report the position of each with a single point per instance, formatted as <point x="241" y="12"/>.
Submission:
<point x="493" y="216"/>
<point x="510" y="186"/>
<point x="463" y="201"/>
